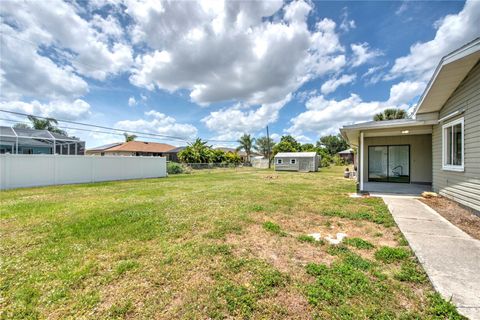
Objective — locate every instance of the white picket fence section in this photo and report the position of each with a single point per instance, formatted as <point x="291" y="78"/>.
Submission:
<point x="18" y="170"/>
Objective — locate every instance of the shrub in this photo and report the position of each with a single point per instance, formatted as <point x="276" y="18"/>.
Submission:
<point x="174" y="168"/>
<point x="358" y="243"/>
<point x="389" y="254"/>
<point x="338" y="161"/>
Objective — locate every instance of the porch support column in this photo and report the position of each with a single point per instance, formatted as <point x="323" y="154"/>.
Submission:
<point x="361" y="153"/>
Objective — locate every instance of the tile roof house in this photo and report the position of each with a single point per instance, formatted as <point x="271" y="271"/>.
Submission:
<point x="132" y="148"/>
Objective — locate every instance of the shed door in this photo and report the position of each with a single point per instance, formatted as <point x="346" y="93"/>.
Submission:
<point x="304" y="165"/>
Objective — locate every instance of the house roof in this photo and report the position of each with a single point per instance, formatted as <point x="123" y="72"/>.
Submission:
<point x="348" y="151"/>
<point x="450" y="72"/>
<point x="176" y="150"/>
<point x="141" y="146"/>
<point x="296" y="154"/>
<point x="351" y="133"/>
<point x="448" y="75"/>
<point x="105" y="146"/>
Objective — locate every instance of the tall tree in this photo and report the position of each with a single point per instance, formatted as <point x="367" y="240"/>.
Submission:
<point x="333" y="144"/>
<point x="295" y="144"/>
<point x="308" y="147"/>
<point x="284" y="146"/>
<point x="246" y="143"/>
<point x="262" y="146"/>
<point x="129" y="137"/>
<point x="49" y="124"/>
<point x="390" y="114"/>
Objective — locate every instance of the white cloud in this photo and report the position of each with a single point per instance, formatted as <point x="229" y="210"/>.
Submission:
<point x="66" y="110"/>
<point x="363" y="54"/>
<point x="346" y="24"/>
<point x="159" y="123"/>
<point x="65" y="36"/>
<point x="374" y="74"/>
<point x="228" y="52"/>
<point x="25" y="73"/>
<point x="331" y="85"/>
<point x="453" y="31"/>
<point x="132" y="102"/>
<point x="402" y="8"/>
<point x="323" y="116"/>
<point x="402" y="93"/>
<point x="230" y="123"/>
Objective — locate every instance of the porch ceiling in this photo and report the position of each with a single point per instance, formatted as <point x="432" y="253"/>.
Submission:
<point x="386" y="128"/>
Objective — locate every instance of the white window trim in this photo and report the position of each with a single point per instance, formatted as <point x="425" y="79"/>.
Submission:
<point x="449" y="167"/>
<point x="279" y="161"/>
<point x="293" y="161"/>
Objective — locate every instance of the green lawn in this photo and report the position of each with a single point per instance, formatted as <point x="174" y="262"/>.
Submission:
<point x="211" y="244"/>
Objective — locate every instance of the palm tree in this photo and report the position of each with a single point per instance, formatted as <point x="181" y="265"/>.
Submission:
<point x="390" y="114"/>
<point x="129" y="137"/>
<point x="264" y="146"/>
<point x="246" y="143"/>
<point x="49" y="124"/>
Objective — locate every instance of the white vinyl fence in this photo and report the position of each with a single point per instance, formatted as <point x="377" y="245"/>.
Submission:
<point x="18" y="170"/>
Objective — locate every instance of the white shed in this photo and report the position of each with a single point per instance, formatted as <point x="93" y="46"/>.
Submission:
<point x="296" y="161"/>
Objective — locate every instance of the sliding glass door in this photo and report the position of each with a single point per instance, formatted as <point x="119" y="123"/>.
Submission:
<point x="389" y="163"/>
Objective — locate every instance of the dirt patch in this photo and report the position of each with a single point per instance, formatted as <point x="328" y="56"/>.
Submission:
<point x="463" y="218"/>
<point x="285" y="253"/>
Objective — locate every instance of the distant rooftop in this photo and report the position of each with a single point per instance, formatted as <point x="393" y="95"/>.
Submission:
<point x="135" y="146"/>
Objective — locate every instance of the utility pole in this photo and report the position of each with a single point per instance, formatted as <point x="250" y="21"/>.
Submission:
<point x="268" y="148"/>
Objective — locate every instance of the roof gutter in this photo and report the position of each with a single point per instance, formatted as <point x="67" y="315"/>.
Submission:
<point x="453" y="114"/>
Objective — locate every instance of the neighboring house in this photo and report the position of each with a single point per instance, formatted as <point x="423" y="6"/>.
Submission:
<point x="440" y="146"/>
<point x="31" y="141"/>
<point x="172" y="155"/>
<point x="296" y="161"/>
<point x="133" y="148"/>
<point x="347" y="156"/>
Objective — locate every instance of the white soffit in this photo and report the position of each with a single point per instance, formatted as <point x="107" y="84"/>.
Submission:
<point x="447" y="77"/>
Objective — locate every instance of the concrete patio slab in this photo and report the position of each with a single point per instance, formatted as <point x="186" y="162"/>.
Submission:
<point x="411" y="189"/>
<point x="450" y="257"/>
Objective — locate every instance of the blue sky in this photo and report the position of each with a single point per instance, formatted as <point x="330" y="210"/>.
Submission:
<point x="218" y="69"/>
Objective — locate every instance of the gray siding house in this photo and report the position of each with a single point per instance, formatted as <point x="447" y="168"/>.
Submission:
<point x="296" y="161"/>
<point x="439" y="148"/>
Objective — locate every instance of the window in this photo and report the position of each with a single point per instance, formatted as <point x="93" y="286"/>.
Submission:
<point x="453" y="145"/>
<point x="279" y="161"/>
<point x="293" y="161"/>
<point x="27" y="151"/>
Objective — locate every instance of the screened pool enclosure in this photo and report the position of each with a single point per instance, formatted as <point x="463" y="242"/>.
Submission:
<point x="31" y="141"/>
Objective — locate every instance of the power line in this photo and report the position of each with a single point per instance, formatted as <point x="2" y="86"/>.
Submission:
<point x="82" y="129"/>
<point x="145" y="134"/>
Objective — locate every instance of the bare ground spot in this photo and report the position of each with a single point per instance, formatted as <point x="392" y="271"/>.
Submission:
<point x="463" y="218"/>
<point x="286" y="253"/>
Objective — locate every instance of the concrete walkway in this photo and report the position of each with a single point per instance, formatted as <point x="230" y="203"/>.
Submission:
<point x="450" y="257"/>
